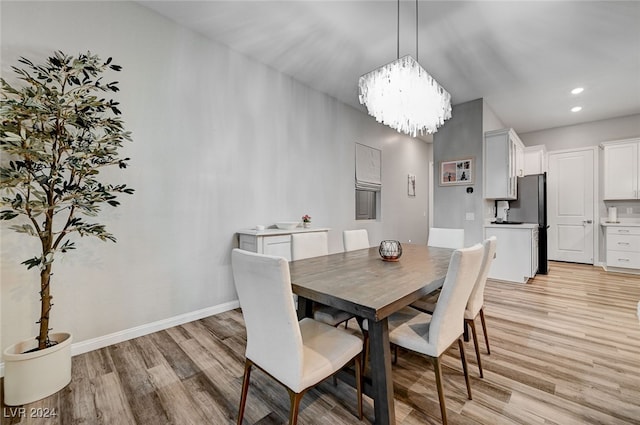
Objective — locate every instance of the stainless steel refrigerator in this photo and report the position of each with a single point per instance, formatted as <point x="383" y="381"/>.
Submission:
<point x="531" y="207"/>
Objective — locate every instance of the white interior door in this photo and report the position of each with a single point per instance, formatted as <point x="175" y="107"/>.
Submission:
<point x="570" y="209"/>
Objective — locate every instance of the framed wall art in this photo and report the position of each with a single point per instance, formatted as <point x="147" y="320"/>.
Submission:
<point x="411" y="185"/>
<point x="457" y="172"/>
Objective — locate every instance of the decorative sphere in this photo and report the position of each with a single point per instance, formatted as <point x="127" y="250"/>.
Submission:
<point x="390" y="250"/>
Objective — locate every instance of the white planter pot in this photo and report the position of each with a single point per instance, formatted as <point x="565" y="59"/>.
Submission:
<point x="36" y="375"/>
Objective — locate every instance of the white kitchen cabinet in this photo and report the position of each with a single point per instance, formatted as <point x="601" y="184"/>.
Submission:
<point x="535" y="160"/>
<point x="503" y="164"/>
<point x="623" y="247"/>
<point x="516" y="252"/>
<point x="271" y="241"/>
<point x="621" y="164"/>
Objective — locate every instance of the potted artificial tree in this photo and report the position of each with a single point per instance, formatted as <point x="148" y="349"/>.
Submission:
<point x="57" y="133"/>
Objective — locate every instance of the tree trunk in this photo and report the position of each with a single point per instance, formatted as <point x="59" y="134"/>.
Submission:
<point x="45" y="307"/>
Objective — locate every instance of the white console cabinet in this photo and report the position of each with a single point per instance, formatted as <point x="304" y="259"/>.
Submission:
<point x="271" y="241"/>
<point x="516" y="252"/>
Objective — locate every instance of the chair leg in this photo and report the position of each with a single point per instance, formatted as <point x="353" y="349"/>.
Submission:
<point x="464" y="367"/>
<point x="359" y="367"/>
<point x="474" y="334"/>
<point x="245" y="389"/>
<point x="484" y="329"/>
<point x="395" y="354"/>
<point x="295" y="406"/>
<point x="438" y="371"/>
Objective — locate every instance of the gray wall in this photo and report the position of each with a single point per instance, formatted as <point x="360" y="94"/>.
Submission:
<point x="221" y="143"/>
<point x="460" y="137"/>
<point x="584" y="135"/>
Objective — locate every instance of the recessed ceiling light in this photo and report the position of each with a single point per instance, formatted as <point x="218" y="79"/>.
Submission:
<point x="576" y="109"/>
<point x="577" y="90"/>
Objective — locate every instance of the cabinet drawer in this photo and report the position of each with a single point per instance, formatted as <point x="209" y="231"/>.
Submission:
<point x="629" y="243"/>
<point x="279" y="245"/>
<point x="619" y="230"/>
<point x="623" y="259"/>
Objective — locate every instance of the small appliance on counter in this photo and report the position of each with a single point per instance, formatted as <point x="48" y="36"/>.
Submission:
<point x="502" y="211"/>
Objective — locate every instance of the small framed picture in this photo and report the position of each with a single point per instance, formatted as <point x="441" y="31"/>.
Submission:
<point x="411" y="185"/>
<point x="457" y="172"/>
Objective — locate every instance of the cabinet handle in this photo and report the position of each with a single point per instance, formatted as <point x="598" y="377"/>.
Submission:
<point x="623" y="231"/>
<point x="623" y="260"/>
<point x="623" y="243"/>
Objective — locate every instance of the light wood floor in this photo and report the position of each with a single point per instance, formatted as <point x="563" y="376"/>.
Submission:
<point x="565" y="350"/>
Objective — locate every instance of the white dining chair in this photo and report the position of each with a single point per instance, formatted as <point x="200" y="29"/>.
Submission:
<point x="314" y="244"/>
<point x="308" y="245"/>
<point x="440" y="237"/>
<point x="431" y="335"/>
<point x="475" y="305"/>
<point x="355" y="239"/>
<point x="446" y="238"/>
<point x="296" y="354"/>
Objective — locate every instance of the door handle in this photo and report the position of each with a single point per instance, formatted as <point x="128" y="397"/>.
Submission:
<point x="587" y="221"/>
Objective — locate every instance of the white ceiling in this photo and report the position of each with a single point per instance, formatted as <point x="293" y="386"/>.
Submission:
<point x="522" y="57"/>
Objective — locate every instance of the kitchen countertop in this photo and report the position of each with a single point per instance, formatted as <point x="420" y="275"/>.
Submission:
<point x="626" y="222"/>
<point x="272" y="231"/>
<point x="514" y="226"/>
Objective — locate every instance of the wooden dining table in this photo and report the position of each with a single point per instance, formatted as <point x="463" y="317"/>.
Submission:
<point x="360" y="282"/>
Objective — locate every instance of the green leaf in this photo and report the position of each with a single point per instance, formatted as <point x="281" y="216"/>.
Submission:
<point x="8" y="215"/>
<point x="24" y="228"/>
<point x="32" y="262"/>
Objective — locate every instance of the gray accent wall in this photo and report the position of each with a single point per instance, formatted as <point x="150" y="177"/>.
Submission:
<point x="460" y="137"/>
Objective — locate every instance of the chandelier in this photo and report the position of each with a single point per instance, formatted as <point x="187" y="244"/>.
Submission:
<point x="403" y="96"/>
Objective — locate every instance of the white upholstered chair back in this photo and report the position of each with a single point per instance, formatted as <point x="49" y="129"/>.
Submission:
<point x="274" y="340"/>
<point x="446" y="238"/>
<point x="355" y="239"/>
<point x="309" y="244"/>
<point x="476" y="300"/>
<point x="448" y="317"/>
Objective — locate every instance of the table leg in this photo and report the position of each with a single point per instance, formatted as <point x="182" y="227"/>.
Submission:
<point x="304" y="308"/>
<point x="381" y="373"/>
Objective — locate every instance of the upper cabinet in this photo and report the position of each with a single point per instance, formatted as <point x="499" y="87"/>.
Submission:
<point x="503" y="164"/>
<point x="621" y="177"/>
<point x="535" y="160"/>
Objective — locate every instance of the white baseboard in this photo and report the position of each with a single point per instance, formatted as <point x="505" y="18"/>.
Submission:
<point x="116" y="337"/>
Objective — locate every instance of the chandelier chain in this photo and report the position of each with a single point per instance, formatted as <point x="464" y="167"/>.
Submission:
<point x="398" y="32"/>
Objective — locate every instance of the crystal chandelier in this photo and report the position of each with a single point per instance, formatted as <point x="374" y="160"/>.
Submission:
<point x="404" y="96"/>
